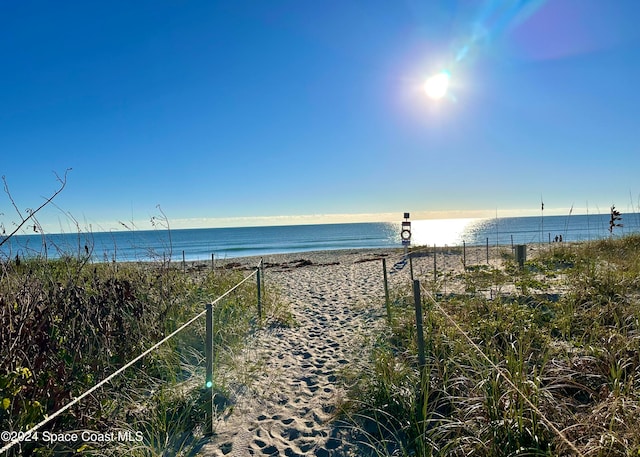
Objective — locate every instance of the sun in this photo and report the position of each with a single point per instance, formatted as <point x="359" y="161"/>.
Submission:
<point x="436" y="86"/>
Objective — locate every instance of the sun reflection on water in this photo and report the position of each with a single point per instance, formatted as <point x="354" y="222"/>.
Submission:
<point x="450" y="232"/>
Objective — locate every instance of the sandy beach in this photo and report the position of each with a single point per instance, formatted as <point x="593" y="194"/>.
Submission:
<point x="287" y="405"/>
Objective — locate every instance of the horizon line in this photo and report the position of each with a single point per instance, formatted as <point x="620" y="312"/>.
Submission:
<point x="319" y="219"/>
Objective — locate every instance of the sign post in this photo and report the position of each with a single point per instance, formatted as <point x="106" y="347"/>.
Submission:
<point x="405" y="233"/>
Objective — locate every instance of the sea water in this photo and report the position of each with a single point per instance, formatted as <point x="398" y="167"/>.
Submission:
<point x="201" y="244"/>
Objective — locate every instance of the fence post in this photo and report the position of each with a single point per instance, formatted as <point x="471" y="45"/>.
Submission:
<point x="487" y="250"/>
<point x="262" y="274"/>
<point x="259" y="292"/>
<point x="387" y="304"/>
<point x="411" y="265"/>
<point x="184" y="265"/>
<point x="209" y="369"/>
<point x="213" y="261"/>
<point x="464" y="255"/>
<point x="435" y="268"/>
<point x="419" y="329"/>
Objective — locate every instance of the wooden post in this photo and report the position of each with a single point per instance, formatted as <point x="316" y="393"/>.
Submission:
<point x="419" y="329"/>
<point x="387" y="303"/>
<point x="209" y="369"/>
<point x="213" y="261"/>
<point x="435" y="267"/>
<point x="487" y="250"/>
<point x="521" y="254"/>
<point x="259" y="293"/>
<point x="512" y="242"/>
<point x="262" y="276"/>
<point x="411" y="265"/>
<point x="464" y="255"/>
<point x="184" y="265"/>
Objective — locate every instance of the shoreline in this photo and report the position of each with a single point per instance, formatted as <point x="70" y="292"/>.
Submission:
<point x="475" y="254"/>
<point x="240" y="242"/>
<point x="322" y="256"/>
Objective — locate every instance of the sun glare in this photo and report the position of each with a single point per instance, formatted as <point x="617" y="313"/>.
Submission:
<point x="437" y="85"/>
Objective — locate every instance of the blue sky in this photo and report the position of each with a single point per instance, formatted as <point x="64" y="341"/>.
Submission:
<point x="254" y="112"/>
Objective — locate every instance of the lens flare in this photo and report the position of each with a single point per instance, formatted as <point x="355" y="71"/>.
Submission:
<point x="436" y="86"/>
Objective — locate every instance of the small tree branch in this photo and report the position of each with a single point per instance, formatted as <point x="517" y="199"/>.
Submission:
<point x="8" y="192"/>
<point x="32" y="213"/>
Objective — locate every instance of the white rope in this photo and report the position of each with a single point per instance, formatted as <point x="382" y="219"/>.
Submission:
<point x="120" y="370"/>
<point x="501" y="373"/>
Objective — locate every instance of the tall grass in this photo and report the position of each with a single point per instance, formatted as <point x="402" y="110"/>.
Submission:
<point x="66" y="324"/>
<point x="567" y="337"/>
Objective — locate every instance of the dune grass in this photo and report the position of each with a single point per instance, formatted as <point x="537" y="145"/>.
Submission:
<point x="67" y="324"/>
<point x="565" y="330"/>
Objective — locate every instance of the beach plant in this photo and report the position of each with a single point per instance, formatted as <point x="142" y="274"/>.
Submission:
<point x="479" y="278"/>
<point x="68" y="323"/>
<point x="564" y="372"/>
<point x="615" y="219"/>
<point x="277" y="311"/>
<point x="28" y="216"/>
<point x="162" y="222"/>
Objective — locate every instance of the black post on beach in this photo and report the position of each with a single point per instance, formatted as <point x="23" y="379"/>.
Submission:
<point x="435" y="267"/>
<point x="209" y="370"/>
<point x="262" y="275"/>
<point x="184" y="264"/>
<point x="487" y="250"/>
<point x="512" y="242"/>
<point x="464" y="255"/>
<point x="258" y="268"/>
<point x="387" y="304"/>
<point x="419" y="329"/>
<point x="262" y="287"/>
<point x="213" y="261"/>
<point x="411" y="265"/>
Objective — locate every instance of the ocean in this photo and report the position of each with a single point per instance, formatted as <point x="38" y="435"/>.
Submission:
<point x="200" y="244"/>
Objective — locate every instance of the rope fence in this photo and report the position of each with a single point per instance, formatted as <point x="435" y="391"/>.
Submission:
<point x="417" y="289"/>
<point x="406" y="258"/>
<point x="424" y="251"/>
<point x="209" y="345"/>
<point x="500" y="371"/>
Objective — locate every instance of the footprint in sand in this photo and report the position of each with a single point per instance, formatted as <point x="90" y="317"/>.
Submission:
<point x="288" y="411"/>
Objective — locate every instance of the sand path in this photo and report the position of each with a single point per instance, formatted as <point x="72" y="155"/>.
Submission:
<point x="288" y="407"/>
